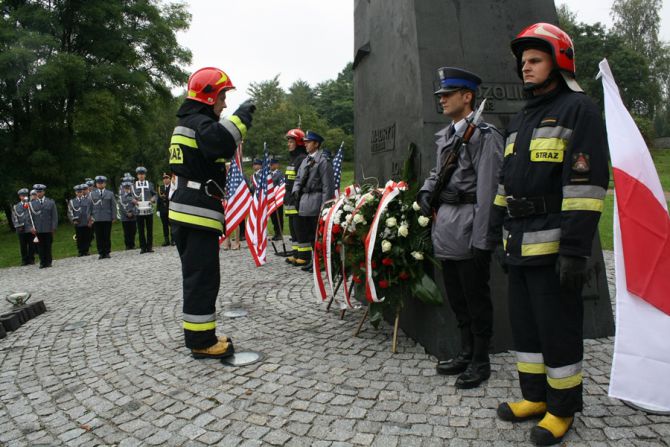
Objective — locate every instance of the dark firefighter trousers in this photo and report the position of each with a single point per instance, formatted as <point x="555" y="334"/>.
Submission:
<point x="305" y="228"/>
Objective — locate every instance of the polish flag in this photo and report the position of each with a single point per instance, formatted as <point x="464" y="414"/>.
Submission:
<point x="641" y="365"/>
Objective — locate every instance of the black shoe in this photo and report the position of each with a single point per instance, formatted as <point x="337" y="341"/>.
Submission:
<point x="101" y="256"/>
<point x="43" y="266"/>
<point x="165" y="244"/>
<point x="150" y="250"/>
<point x="276" y="237"/>
<point x="474" y="375"/>
<point x="454" y="366"/>
<point x="307" y="268"/>
<point x="173" y="243"/>
<point x="142" y="251"/>
<point x="106" y="256"/>
<point x="283" y="254"/>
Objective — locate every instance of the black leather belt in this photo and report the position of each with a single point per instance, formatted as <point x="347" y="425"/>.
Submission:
<point x="533" y="206"/>
<point x="457" y="197"/>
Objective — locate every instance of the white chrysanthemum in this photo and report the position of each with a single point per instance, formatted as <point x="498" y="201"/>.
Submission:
<point x="403" y="230"/>
<point x="347" y="218"/>
<point x="391" y="222"/>
<point x="359" y="219"/>
<point x="423" y="221"/>
<point x="344" y="225"/>
<point x="348" y="208"/>
<point x="386" y="246"/>
<point x="416" y="207"/>
<point x="418" y="255"/>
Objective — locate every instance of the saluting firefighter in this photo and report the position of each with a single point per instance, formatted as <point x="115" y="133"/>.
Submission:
<point x="199" y="146"/>
<point x="297" y="153"/>
<point x="145" y="197"/>
<point x="23" y="225"/>
<point x="278" y="216"/>
<point x="552" y="186"/>
<point x="163" y="201"/>
<point x="103" y="213"/>
<point x="460" y="228"/>
<point x="128" y="214"/>
<point x="314" y="185"/>
<point x="45" y="218"/>
<point x="79" y="214"/>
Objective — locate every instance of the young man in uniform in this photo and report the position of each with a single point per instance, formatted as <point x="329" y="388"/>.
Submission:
<point x="460" y="228"/>
<point x="163" y="205"/>
<point x="278" y="216"/>
<point x="200" y="144"/>
<point x="145" y="197"/>
<point x="103" y="213"/>
<point x="45" y="218"/>
<point x="297" y="153"/>
<point x="551" y="193"/>
<point x="314" y="185"/>
<point x="23" y="225"/>
<point x="128" y="214"/>
<point x="79" y="213"/>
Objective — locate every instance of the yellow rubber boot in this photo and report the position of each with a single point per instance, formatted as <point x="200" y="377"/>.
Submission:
<point x="521" y="410"/>
<point x="551" y="429"/>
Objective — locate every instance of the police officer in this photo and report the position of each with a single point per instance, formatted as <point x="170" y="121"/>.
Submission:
<point x="145" y="197"/>
<point x="86" y="197"/>
<point x="256" y="176"/>
<point x="128" y="214"/>
<point x="163" y="202"/>
<point x="552" y="186"/>
<point x="103" y="213"/>
<point x="79" y="214"/>
<point x="23" y="225"/>
<point x="278" y="216"/>
<point x="200" y="143"/>
<point x="45" y="218"/>
<point x="460" y="229"/>
<point x="314" y="185"/>
<point x="297" y="153"/>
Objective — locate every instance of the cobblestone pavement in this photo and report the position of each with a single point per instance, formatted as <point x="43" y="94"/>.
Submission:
<point x="106" y="366"/>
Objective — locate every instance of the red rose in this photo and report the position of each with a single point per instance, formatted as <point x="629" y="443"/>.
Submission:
<point x="383" y="284"/>
<point x="338" y="248"/>
<point x="361" y="265"/>
<point x="374" y="264"/>
<point x="336" y="229"/>
<point x="387" y="261"/>
<point x="403" y="275"/>
<point x="357" y="279"/>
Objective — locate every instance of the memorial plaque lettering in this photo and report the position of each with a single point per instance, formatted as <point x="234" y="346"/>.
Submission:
<point x="383" y="139"/>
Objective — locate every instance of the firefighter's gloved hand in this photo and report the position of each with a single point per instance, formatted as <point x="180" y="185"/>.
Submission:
<point x="422" y="200"/>
<point x="296" y="197"/>
<point x="572" y="271"/>
<point x="245" y="111"/>
<point x="481" y="258"/>
<point x="499" y="255"/>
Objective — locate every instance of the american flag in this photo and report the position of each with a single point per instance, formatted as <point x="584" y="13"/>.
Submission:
<point x="256" y="230"/>
<point x="280" y="192"/>
<point x="238" y="198"/>
<point x="337" y="169"/>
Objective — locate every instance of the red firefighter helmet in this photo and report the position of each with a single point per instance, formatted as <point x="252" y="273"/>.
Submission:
<point x="298" y="135"/>
<point x="205" y="84"/>
<point x="551" y="37"/>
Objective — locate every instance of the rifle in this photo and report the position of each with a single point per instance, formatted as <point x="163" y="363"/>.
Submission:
<point x="450" y="162"/>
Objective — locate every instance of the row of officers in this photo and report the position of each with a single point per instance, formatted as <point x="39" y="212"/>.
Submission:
<point x="92" y="212"/>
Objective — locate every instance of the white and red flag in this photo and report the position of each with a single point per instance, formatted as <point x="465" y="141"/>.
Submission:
<point x="641" y="364"/>
<point x="256" y="229"/>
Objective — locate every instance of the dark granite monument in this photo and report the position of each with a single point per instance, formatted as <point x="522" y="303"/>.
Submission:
<point x="398" y="47"/>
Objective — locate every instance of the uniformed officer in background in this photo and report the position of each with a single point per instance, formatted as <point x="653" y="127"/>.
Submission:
<point x="128" y="214"/>
<point x="551" y="193"/>
<point x="296" y="153"/>
<point x="145" y="197"/>
<point x="460" y="228"/>
<point x="163" y="202"/>
<point x="314" y="185"/>
<point x="278" y="216"/>
<point x="103" y="213"/>
<point x="79" y="214"/>
<point x="23" y="225"/>
<point x="256" y="176"/>
<point x="45" y="218"/>
<point x="200" y="143"/>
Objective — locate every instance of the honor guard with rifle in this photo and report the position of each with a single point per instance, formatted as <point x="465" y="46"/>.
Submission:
<point x="23" y="224"/>
<point x="163" y="202"/>
<point x="314" y="185"/>
<point x="460" y="190"/>
<point x="145" y="197"/>
<point x="79" y="214"/>
<point x="45" y="221"/>
<point x="550" y="195"/>
<point x="297" y="153"/>
<point x="278" y="216"/>
<point x="200" y="144"/>
<point x="127" y="214"/>
<point x="103" y="213"/>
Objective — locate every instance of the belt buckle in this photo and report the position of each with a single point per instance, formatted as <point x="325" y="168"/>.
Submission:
<point x="219" y="195"/>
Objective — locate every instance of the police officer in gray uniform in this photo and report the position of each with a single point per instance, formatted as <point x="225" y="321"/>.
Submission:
<point x="79" y="213"/>
<point x="461" y="223"/>
<point x="23" y="225"/>
<point x="128" y="214"/>
<point x="145" y="197"/>
<point x="313" y="186"/>
<point x="103" y="213"/>
<point x="45" y="218"/>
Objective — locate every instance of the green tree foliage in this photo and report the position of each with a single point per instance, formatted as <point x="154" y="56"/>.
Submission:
<point x="85" y="88"/>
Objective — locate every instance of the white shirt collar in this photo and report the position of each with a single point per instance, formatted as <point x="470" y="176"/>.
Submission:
<point x="459" y="126"/>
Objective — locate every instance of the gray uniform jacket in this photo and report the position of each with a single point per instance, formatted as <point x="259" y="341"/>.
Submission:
<point x="103" y="205"/>
<point x="127" y="206"/>
<point x="460" y="227"/>
<point x="21" y="219"/>
<point x="144" y="191"/>
<point x="317" y="187"/>
<point x="277" y="177"/>
<point x="45" y="215"/>
<point x="79" y="210"/>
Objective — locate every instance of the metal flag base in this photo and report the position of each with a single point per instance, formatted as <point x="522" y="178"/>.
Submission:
<point x="243" y="358"/>
<point x="235" y="313"/>
<point x="658" y="411"/>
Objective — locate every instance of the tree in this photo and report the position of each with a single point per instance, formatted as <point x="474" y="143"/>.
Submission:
<point x="638" y="23"/>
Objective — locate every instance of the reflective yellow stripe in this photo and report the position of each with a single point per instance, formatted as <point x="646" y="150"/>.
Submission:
<point x="509" y="149"/>
<point x="290" y="211"/>
<point x="199" y="327"/>
<point x="290" y="176"/>
<point x="220" y="160"/>
<point x="238" y="123"/>
<point x="305" y="248"/>
<point x="548" y="144"/>
<point x="195" y="220"/>
<point x="566" y="382"/>
<point x="530" y="368"/>
<point x="582" y="204"/>
<point x="186" y="141"/>
<point x="544" y="248"/>
<point x="554" y="156"/>
<point x="290" y="171"/>
<point x="500" y="201"/>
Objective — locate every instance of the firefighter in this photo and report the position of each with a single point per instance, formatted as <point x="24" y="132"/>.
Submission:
<point x="200" y="143"/>
<point x="550" y="196"/>
<point x="297" y="153"/>
<point x="460" y="228"/>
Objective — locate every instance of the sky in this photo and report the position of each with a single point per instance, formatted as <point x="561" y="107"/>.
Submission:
<point x="312" y="40"/>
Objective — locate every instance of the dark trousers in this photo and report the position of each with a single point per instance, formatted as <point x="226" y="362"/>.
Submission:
<point x="292" y="219"/>
<point x="166" y="226"/>
<point x="547" y="328"/>
<point x="129" y="231"/>
<point x="83" y="239"/>
<point x="103" y="237"/>
<point x="278" y="220"/>
<point x="306" y="232"/>
<point x="199" y="254"/>
<point x="44" y="248"/>
<point x="146" y="238"/>
<point x="27" y="248"/>
<point x="469" y="296"/>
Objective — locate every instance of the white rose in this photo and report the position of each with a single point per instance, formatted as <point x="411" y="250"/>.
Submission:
<point x="347" y="218"/>
<point x="391" y="222"/>
<point x="416" y="207"/>
<point x="403" y="230"/>
<point x="344" y="225"/>
<point x="348" y="208"/>
<point x="358" y="218"/>
<point x="386" y="246"/>
<point x="417" y="255"/>
<point x="423" y="221"/>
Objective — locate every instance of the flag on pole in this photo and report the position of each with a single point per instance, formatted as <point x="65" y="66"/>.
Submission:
<point x="238" y="198"/>
<point x="641" y="364"/>
<point x="256" y="229"/>
<point x="337" y="169"/>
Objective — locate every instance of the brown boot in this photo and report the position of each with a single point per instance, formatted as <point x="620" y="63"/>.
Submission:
<point x="219" y="350"/>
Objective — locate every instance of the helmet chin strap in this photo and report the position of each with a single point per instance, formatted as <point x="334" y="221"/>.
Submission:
<point x="531" y="86"/>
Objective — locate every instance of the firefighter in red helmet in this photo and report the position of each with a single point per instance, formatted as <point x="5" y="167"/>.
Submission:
<point x="201" y="142"/>
<point x="550" y="195"/>
<point x="297" y="153"/>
